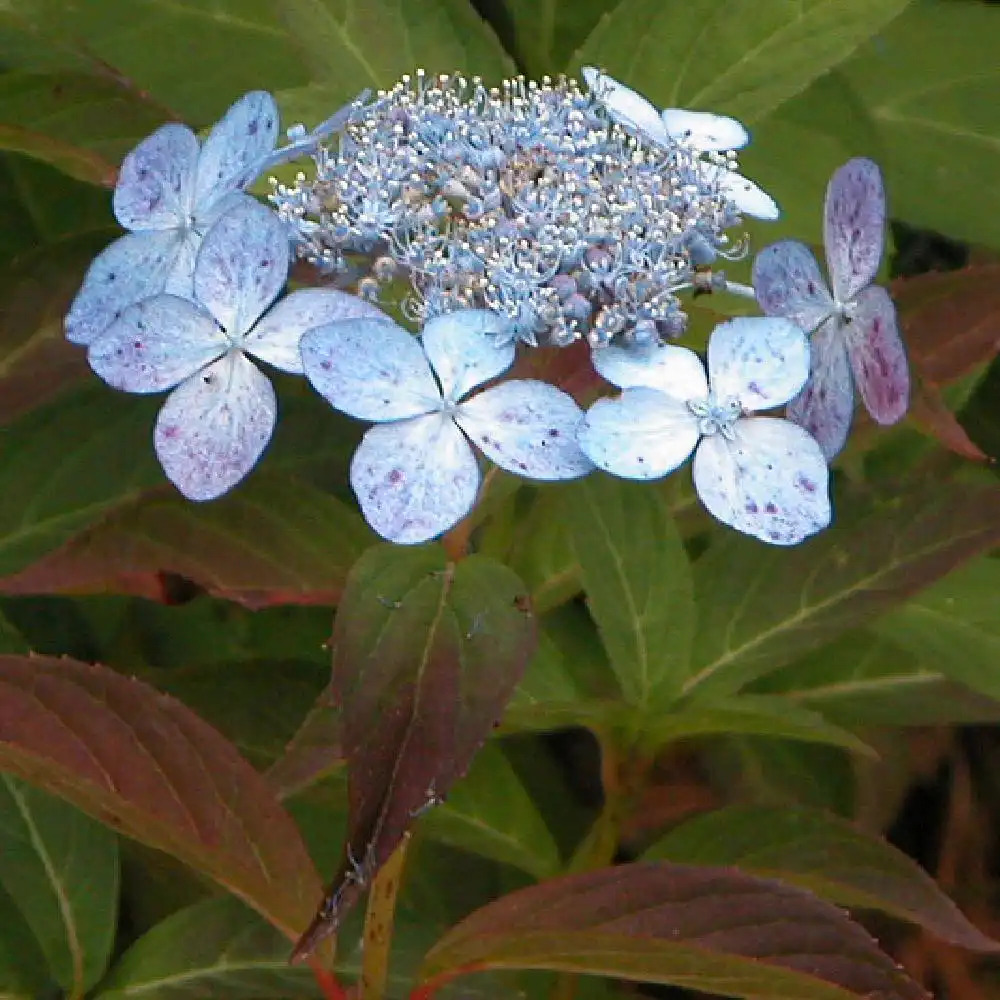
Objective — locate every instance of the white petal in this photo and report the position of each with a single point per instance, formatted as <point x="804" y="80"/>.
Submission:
<point x="369" y="369"/>
<point x="275" y="339"/>
<point x="415" y="479"/>
<point x="626" y="106"/>
<point x="643" y="434"/>
<point x="134" y="267"/>
<point x="528" y="428"/>
<point x="788" y="283"/>
<point x="854" y="226"/>
<point x="236" y="147"/>
<point x="155" y="344"/>
<point x="214" y="427"/>
<point x="771" y="482"/>
<point x="156" y="180"/>
<point x="825" y="405"/>
<point x="703" y="131"/>
<point x="877" y="355"/>
<point x="760" y="360"/>
<point x="461" y="347"/>
<point x="674" y="370"/>
<point x="241" y="266"/>
<point x="747" y="196"/>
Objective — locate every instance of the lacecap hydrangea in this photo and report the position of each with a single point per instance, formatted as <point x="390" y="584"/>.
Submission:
<point x="452" y="226"/>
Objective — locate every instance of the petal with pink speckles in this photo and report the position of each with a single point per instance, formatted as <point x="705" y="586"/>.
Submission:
<point x="156" y="180"/>
<point x="854" y="226"/>
<point x="788" y="283"/>
<point x="878" y="357"/>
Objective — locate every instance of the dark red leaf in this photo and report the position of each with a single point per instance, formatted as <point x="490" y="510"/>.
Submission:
<point x="930" y="413"/>
<point x="426" y="654"/>
<point x="142" y="762"/>
<point x="711" y="929"/>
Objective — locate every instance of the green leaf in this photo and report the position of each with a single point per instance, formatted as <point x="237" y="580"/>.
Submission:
<point x="489" y="812"/>
<point x="759" y="608"/>
<point x="864" y="679"/>
<point x="145" y="764"/>
<point x="60" y="868"/>
<point x="65" y="464"/>
<point x="953" y="626"/>
<point x="24" y="973"/>
<point x="426" y="654"/>
<point x="637" y="580"/>
<point x="543" y="34"/>
<point x="216" y="948"/>
<point x="687" y="926"/>
<point x="827" y="856"/>
<point x="752" y="715"/>
<point x="729" y="56"/>
<point x="274" y="540"/>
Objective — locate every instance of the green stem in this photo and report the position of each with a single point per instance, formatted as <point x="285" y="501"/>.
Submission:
<point x="379" y="918"/>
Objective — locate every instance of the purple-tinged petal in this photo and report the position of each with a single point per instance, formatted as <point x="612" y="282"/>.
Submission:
<point x="704" y="131"/>
<point x="677" y="371"/>
<point x="626" y="106"/>
<point x="825" y="406"/>
<point x="788" y="283"/>
<point x="241" y="266"/>
<point x="760" y="360"/>
<point x="462" y="349"/>
<point x="770" y="482"/>
<point x="134" y="267"/>
<point x="528" y="428"/>
<point x="275" y="339"/>
<point x="877" y="355"/>
<point x="156" y="180"/>
<point x="642" y="434"/>
<point x="214" y="427"/>
<point x="854" y="227"/>
<point x="236" y="148"/>
<point x="155" y="344"/>
<point x="415" y="479"/>
<point x="370" y="369"/>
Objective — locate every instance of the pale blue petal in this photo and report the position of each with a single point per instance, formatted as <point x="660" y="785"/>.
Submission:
<point x="156" y="180"/>
<point x="704" y="131"/>
<point x="762" y="361"/>
<point x="771" y="482"/>
<point x="462" y="349"/>
<point x="626" y="106"/>
<point x="236" y="147"/>
<point x="370" y="369"/>
<point x="134" y="267"/>
<point x="825" y="405"/>
<point x="415" y="479"/>
<point x="748" y="197"/>
<point x="275" y="339"/>
<point x="155" y="344"/>
<point x="214" y="427"/>
<point x="854" y="226"/>
<point x="677" y="371"/>
<point x="788" y="283"/>
<point x="241" y="266"/>
<point x="642" y="434"/>
<point x="528" y="428"/>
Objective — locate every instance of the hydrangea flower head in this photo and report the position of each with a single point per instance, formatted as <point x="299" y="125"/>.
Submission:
<point x="855" y="336"/>
<point x="170" y="190"/>
<point x="216" y="423"/>
<point x="707" y="134"/>
<point x="415" y="472"/>
<point x="764" y="476"/>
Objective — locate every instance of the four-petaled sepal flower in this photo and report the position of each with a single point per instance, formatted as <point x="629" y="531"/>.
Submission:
<point x="415" y="473"/>
<point x="854" y="328"/>
<point x="169" y="191"/>
<point x="763" y="476"/>
<point x="219" y="418"/>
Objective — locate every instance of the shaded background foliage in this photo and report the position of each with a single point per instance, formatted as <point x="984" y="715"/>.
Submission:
<point x="708" y="702"/>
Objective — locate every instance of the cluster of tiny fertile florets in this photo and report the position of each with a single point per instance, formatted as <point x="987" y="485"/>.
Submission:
<point x="526" y="199"/>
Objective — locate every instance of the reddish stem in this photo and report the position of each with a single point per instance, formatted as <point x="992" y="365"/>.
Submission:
<point x="328" y="984"/>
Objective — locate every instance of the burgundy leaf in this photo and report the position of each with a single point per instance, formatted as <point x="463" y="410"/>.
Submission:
<point x="930" y="413"/>
<point x="426" y="655"/>
<point x="142" y="762"/>
<point x="705" y="928"/>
